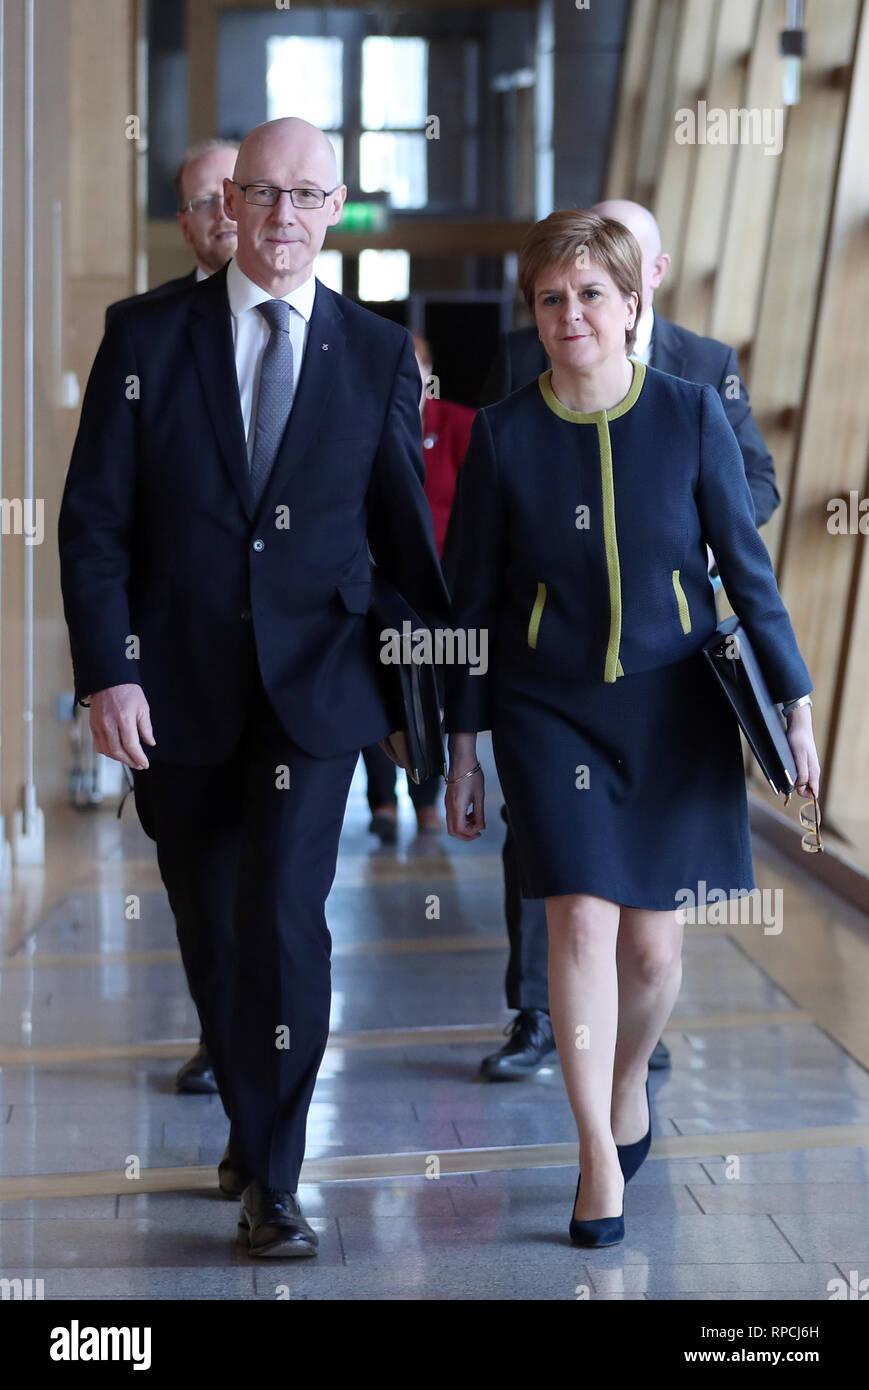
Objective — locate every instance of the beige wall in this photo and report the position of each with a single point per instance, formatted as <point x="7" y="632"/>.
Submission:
<point x="83" y="92"/>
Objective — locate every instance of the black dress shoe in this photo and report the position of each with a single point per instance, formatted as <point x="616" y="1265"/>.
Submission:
<point x="660" y="1058"/>
<point x="271" y="1223"/>
<point x="196" y="1077"/>
<point x="231" y="1179"/>
<point x="633" y="1156"/>
<point x="599" y="1231"/>
<point x="530" y="1042"/>
<point x="385" y="828"/>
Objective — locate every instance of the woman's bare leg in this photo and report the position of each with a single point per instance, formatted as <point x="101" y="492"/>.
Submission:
<point x="649" y="957"/>
<point x="584" y="1005"/>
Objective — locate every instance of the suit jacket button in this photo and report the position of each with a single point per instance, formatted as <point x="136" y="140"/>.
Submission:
<point x="259" y="545"/>
<point x="245" y="615"/>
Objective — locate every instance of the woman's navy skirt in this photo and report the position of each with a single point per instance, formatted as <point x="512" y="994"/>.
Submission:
<point x="632" y="791"/>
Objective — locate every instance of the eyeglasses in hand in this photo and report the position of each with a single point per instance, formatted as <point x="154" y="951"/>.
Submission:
<point x="810" y="820"/>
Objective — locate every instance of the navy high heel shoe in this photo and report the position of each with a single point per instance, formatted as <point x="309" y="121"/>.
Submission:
<point x="599" y="1232"/>
<point x="633" y="1156"/>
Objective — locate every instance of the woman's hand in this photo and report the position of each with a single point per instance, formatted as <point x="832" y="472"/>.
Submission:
<point x="465" y="795"/>
<point x="388" y="748"/>
<point x="802" y="743"/>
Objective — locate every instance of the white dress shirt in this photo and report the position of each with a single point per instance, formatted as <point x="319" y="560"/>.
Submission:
<point x="250" y="333"/>
<point x="645" y="332"/>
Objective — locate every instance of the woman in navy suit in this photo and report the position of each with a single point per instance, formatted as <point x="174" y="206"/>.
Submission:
<point x="585" y="505"/>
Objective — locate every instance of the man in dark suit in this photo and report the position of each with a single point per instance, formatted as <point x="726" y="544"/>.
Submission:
<point x="246" y="445"/>
<point x="212" y="236"/>
<point x="669" y="348"/>
<point x="201" y="216"/>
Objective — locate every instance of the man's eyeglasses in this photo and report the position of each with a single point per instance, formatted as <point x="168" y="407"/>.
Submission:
<point x="209" y="202"/>
<point x="810" y="820"/>
<point x="264" y="195"/>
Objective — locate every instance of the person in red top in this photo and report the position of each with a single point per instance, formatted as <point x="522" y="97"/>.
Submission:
<point x="446" y="433"/>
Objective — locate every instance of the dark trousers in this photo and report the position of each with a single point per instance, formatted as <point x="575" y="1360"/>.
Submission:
<point x="381" y="772"/>
<point x="528" y="963"/>
<point x="247" y="851"/>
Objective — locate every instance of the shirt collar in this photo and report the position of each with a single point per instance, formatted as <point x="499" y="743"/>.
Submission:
<point x="244" y="294"/>
<point x="201" y="274"/>
<point x="645" y="329"/>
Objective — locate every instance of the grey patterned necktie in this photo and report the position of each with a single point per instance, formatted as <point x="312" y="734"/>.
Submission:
<point x="275" y="397"/>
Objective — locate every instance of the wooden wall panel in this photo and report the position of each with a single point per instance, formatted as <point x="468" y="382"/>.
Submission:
<point x="82" y="161"/>
<point x="739" y="272"/>
<point x="690" y="287"/>
<point x="633" y="82"/>
<point x="657" y="105"/>
<point x="776" y="261"/>
<point x="818" y="567"/>
<point x="202" y="16"/>
<point x="692" y="58"/>
<point x="847" y="765"/>
<point x="101" y="221"/>
<point x="788" y="293"/>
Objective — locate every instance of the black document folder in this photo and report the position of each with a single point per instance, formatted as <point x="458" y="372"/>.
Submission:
<point x="732" y="658"/>
<point x="409" y="689"/>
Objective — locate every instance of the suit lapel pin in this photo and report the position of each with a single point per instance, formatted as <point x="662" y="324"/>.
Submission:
<point x="325" y="347"/>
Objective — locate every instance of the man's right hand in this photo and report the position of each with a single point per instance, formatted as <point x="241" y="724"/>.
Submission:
<point x="119" y="717"/>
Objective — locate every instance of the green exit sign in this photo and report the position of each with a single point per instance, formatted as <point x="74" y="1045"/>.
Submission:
<point x="364" y="217"/>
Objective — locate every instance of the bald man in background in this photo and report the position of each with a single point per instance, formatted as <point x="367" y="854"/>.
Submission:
<point x="216" y="534"/>
<point x="521" y="359"/>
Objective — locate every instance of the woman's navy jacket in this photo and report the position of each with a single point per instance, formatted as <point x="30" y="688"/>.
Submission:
<point x="578" y="541"/>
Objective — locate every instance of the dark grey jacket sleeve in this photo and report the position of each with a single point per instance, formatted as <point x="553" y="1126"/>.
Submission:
<point x="498" y="383"/>
<point x="724" y="505"/>
<point x="759" y="466"/>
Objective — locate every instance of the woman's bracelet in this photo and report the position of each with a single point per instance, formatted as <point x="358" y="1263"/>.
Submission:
<point x="789" y="706"/>
<point x="478" y="767"/>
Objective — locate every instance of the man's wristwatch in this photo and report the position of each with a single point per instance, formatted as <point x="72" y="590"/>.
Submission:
<point x="789" y="706"/>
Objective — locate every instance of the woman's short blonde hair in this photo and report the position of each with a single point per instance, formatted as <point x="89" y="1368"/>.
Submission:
<point x="558" y="240"/>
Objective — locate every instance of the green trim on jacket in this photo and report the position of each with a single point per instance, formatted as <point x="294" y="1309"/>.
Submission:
<point x="601" y="418"/>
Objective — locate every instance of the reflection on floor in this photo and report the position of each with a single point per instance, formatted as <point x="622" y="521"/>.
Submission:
<point x="757" y="1183"/>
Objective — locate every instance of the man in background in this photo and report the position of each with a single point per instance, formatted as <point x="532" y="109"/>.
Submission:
<point x="669" y="348"/>
<point x="201" y="216"/>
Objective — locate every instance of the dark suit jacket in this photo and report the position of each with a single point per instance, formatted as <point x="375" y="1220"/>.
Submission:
<point x="681" y="353"/>
<point x="629" y="592"/>
<point x="168" y="287"/>
<point x="159" y="538"/>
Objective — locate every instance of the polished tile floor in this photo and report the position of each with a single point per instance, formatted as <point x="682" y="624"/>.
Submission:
<point x="422" y="1181"/>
